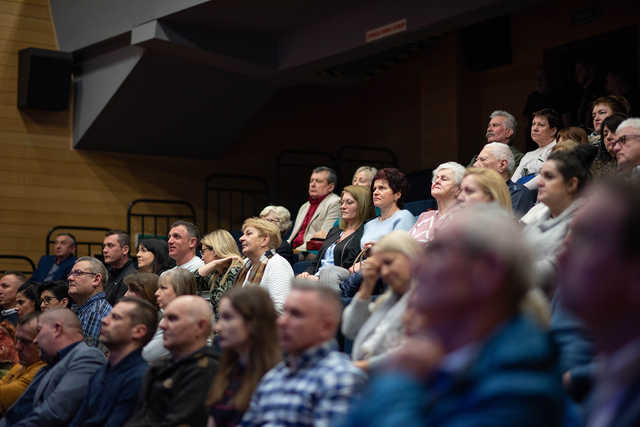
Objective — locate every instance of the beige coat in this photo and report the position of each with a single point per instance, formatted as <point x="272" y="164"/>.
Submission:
<point x="323" y="218"/>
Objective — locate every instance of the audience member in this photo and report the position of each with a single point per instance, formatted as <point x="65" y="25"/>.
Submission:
<point x="174" y="283"/>
<point x="183" y="240"/>
<point x="111" y="395"/>
<point x="314" y="384"/>
<point x="546" y="123"/>
<point x="16" y="381"/>
<point x="86" y="281"/>
<point x="484" y="186"/>
<point x="57" y="390"/>
<point x="9" y="284"/>
<point x="599" y="283"/>
<point x="153" y="256"/>
<point x="477" y="360"/>
<point x="280" y="216"/>
<point x="58" y="265"/>
<point x="223" y="262"/>
<point x="390" y="186"/>
<point x="342" y="245"/>
<point x="8" y="354"/>
<point x="144" y="286"/>
<point x="54" y="295"/>
<point x="320" y="212"/>
<point x="115" y="250"/>
<point x="627" y="145"/>
<point x="498" y="157"/>
<point x="563" y="177"/>
<point x="27" y="300"/>
<point x="605" y="162"/>
<point x="445" y="187"/>
<point x="262" y="265"/>
<point x="573" y="133"/>
<point x="363" y="176"/>
<point x="378" y="330"/>
<point x="174" y="391"/>
<point x="502" y="128"/>
<point x="604" y="107"/>
<point x="249" y="342"/>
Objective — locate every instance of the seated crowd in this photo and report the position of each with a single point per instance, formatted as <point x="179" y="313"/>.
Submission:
<point x="512" y="303"/>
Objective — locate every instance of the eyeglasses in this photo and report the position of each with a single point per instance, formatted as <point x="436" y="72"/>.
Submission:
<point x="274" y="220"/>
<point x="205" y="248"/>
<point x="623" y="140"/>
<point x="47" y="300"/>
<point x="81" y="273"/>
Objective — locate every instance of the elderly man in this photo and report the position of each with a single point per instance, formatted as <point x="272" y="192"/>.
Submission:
<point x="183" y="240"/>
<point x="502" y="128"/>
<point x="319" y="213"/>
<point x="113" y="391"/>
<point x="16" y="381"/>
<point x="627" y="146"/>
<point x="474" y="358"/>
<point x="599" y="282"/>
<point x="498" y="156"/>
<point x="115" y="250"/>
<point x="57" y="266"/>
<point x="57" y="390"/>
<point x="9" y="285"/>
<point x="174" y="391"/>
<point x="314" y="384"/>
<point x="86" y="288"/>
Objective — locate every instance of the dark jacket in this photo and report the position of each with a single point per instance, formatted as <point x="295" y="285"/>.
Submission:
<point x="45" y="264"/>
<point x="174" y="393"/>
<point x="116" y="288"/>
<point x="286" y="252"/>
<point x="345" y="252"/>
<point x="522" y="199"/>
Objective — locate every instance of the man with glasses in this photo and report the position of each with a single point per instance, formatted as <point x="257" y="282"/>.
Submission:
<point x="86" y="288"/>
<point x="626" y="148"/>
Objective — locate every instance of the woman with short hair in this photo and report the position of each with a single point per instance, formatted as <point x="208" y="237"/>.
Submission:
<point x="174" y="283"/>
<point x="54" y="295"/>
<point x="280" y="216"/>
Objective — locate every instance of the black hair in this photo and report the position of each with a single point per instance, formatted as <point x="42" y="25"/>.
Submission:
<point x="31" y="290"/>
<point x="575" y="163"/>
<point x="612" y="122"/>
<point x="59" y="289"/>
<point x="160" y="250"/>
<point x="552" y="116"/>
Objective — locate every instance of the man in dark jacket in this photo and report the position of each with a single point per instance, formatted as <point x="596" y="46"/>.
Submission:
<point x="57" y="266"/>
<point x="174" y="392"/>
<point x="115" y="250"/>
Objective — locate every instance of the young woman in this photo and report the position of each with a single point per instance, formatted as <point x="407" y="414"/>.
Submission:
<point x="222" y="264"/>
<point x="481" y="185"/>
<point x="27" y="299"/>
<point x="605" y="163"/>
<point x="248" y="338"/>
<point x="153" y="256"/>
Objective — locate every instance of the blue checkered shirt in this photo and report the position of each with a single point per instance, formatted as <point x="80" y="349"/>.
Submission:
<point x="90" y="315"/>
<point x="313" y="389"/>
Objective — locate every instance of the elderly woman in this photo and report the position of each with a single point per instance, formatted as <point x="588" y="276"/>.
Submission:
<point x="280" y="216"/>
<point x="544" y="128"/>
<point x="223" y="262"/>
<point x="563" y="176"/>
<point x="174" y="283"/>
<point x="602" y="108"/>
<point x="379" y="330"/>
<point x="445" y="186"/>
<point x="262" y="265"/>
<point x="363" y="176"/>
<point x="342" y="245"/>
<point x="481" y="185"/>
<point x="390" y="186"/>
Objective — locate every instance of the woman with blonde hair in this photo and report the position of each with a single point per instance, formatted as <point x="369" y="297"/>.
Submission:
<point x="481" y="185"/>
<point x="222" y="264"/>
<point x="174" y="283"/>
<point x="379" y="330"/>
<point x="262" y="265"/>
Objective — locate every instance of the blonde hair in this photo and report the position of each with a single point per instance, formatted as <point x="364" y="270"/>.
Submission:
<point x="265" y="228"/>
<point x="181" y="280"/>
<point x="222" y="242"/>
<point x="363" y="198"/>
<point x="493" y="185"/>
<point x="368" y="169"/>
<point x="283" y="215"/>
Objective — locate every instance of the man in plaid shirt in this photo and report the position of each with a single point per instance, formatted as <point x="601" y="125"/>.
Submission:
<point x="314" y="384"/>
<point x="86" y="288"/>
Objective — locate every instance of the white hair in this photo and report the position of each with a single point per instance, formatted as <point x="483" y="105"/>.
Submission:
<point x="509" y="122"/>
<point x="281" y="213"/>
<point x="632" y="122"/>
<point x="456" y="169"/>
<point x="503" y="152"/>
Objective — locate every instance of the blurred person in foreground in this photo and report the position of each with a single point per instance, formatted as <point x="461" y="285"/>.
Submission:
<point x="473" y="357"/>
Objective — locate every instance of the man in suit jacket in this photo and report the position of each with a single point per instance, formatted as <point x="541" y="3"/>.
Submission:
<point x="321" y="211"/>
<point x="601" y="285"/>
<point x="57" y="266"/>
<point x="57" y="390"/>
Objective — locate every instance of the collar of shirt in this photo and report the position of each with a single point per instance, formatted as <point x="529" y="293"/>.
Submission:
<point x="100" y="295"/>
<point x="62" y="353"/>
<point x="295" y="363"/>
<point x="316" y="200"/>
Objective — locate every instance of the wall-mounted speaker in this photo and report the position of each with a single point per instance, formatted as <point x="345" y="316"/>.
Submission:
<point x="44" y="79"/>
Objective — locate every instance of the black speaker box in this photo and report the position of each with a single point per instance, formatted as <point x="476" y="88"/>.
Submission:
<point x="44" y="79"/>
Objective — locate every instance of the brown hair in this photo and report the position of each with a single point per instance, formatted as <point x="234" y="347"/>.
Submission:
<point x="363" y="198"/>
<point x="182" y="281"/>
<point x="144" y="313"/>
<point x="143" y="285"/>
<point x="574" y="133"/>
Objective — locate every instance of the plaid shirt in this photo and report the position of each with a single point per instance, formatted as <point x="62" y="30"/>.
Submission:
<point x="90" y="315"/>
<point x="310" y="390"/>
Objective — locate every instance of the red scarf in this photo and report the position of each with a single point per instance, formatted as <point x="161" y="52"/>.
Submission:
<point x="313" y="207"/>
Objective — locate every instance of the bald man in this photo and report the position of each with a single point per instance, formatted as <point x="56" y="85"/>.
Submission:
<point x="57" y="390"/>
<point x="174" y="391"/>
<point x="314" y="384"/>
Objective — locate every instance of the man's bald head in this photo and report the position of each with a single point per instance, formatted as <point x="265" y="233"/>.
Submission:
<point x="57" y="328"/>
<point x="187" y="324"/>
<point x="65" y="317"/>
<point x="196" y="307"/>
